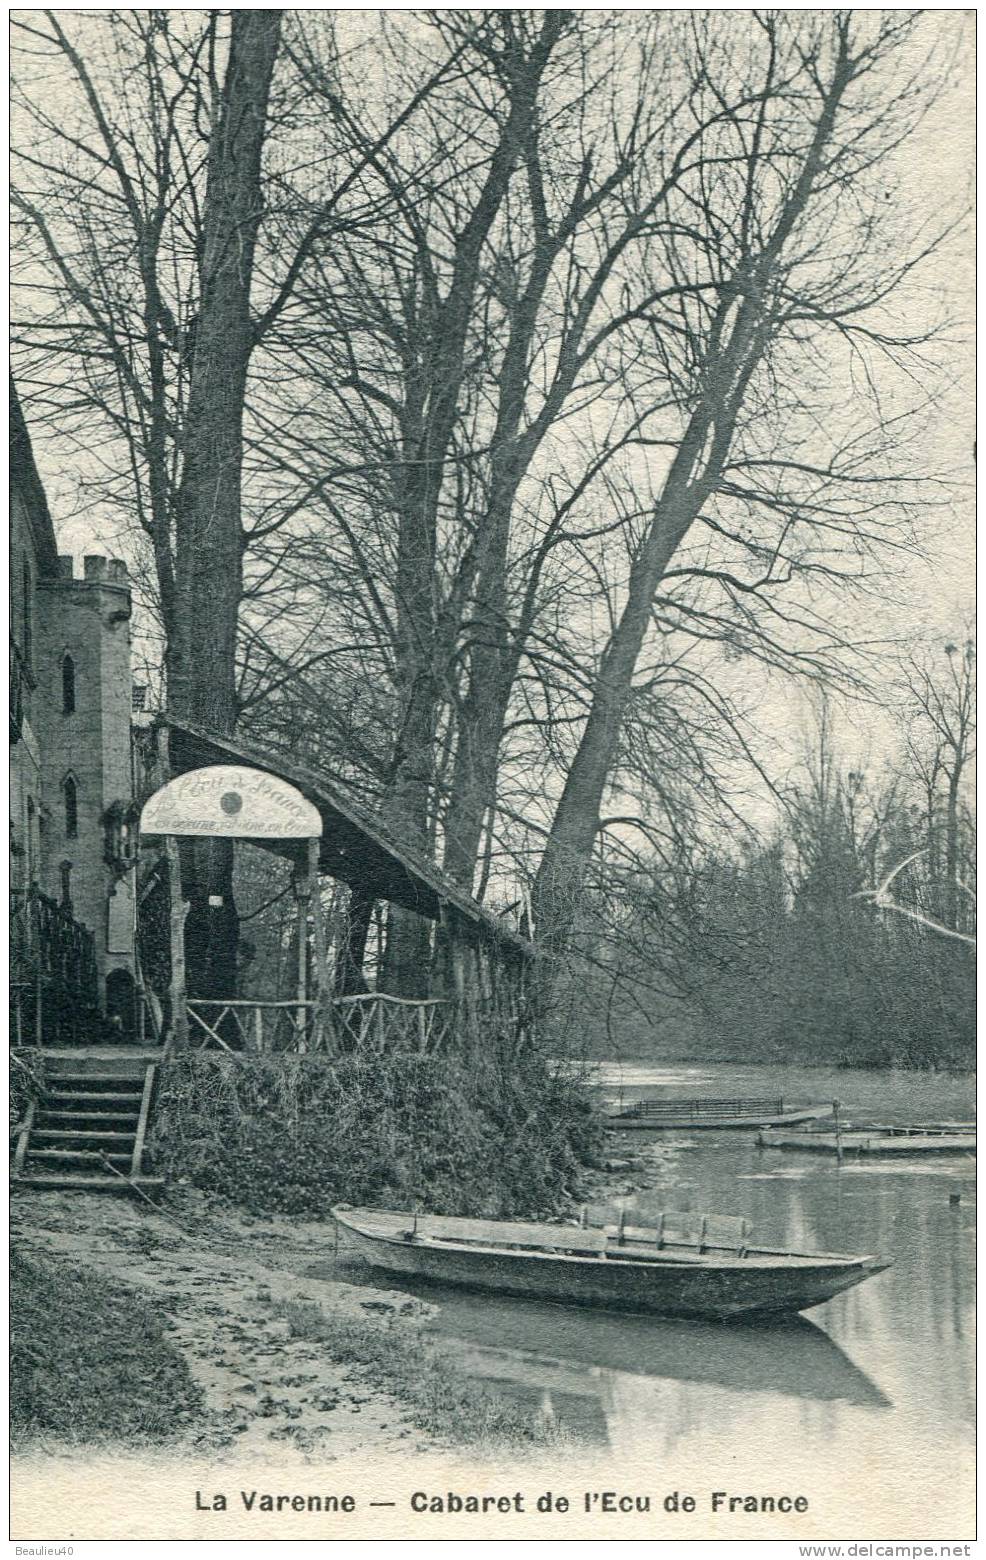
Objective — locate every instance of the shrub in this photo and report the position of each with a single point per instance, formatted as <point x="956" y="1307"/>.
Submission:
<point x="26" y="1082"/>
<point x="294" y="1134"/>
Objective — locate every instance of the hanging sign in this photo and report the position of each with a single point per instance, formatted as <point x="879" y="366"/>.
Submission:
<point x="233" y="802"/>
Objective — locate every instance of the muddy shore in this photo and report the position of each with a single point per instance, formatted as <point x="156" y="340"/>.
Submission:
<point x="223" y="1277"/>
<point x="220" y="1278"/>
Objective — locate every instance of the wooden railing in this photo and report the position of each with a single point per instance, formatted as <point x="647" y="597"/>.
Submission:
<point x="240" y="1024"/>
<point x="370" y="1021"/>
<point x="744" y="1105"/>
<point x="374" y="1021"/>
<point x="54" y="980"/>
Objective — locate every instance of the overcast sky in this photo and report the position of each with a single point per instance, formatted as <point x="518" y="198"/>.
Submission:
<point x="930" y="598"/>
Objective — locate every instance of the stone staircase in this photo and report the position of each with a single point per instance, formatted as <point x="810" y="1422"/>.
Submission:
<point x="87" y="1130"/>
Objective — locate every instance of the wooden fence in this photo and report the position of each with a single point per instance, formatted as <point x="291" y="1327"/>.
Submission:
<point x="371" y="1021"/>
<point x="54" y="983"/>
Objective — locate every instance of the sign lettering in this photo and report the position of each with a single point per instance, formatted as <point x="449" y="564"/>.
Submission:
<point x="233" y="802"/>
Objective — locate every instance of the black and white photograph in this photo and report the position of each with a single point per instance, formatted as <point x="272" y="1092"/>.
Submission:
<point x="492" y="776"/>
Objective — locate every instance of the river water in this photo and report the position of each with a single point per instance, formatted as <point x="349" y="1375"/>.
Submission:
<point x="872" y="1390"/>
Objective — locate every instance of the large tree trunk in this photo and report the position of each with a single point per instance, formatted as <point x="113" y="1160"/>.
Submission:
<point x="695" y="470"/>
<point x="493" y="654"/>
<point x="737" y="340"/>
<point x="430" y="418"/>
<point x="202" y="626"/>
<point x="481" y="723"/>
<point x="564" y="863"/>
<point x="492" y="659"/>
<point x="496" y="646"/>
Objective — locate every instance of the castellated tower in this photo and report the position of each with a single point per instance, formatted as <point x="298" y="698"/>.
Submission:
<point x="88" y="832"/>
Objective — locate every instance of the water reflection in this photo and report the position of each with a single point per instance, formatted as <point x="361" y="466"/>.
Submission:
<point x="879" y="1381"/>
<point x="548" y="1343"/>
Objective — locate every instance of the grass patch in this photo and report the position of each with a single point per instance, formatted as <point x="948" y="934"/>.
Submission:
<point x="439" y="1398"/>
<point x="488" y="1134"/>
<point x="89" y="1360"/>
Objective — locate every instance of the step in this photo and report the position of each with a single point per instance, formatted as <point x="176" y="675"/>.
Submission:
<point x="44" y="1126"/>
<point x="67" y="1107"/>
<point x="87" y="1155"/>
<point x="129" y="1080"/>
<point x="95" y="1068"/>
<point x="124" y="1077"/>
<point x="102" y="1104"/>
<point x="130" y="1097"/>
<point x="69" y="1182"/>
<point x="98" y="1088"/>
<point x="97" y="1139"/>
<point x="60" y="1117"/>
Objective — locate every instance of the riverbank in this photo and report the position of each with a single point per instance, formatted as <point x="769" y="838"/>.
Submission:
<point x="482" y="1132"/>
<point x="880" y="1378"/>
<point x="277" y="1360"/>
<point x="90" y="1357"/>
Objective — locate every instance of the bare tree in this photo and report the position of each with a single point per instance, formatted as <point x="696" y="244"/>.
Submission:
<point x="780" y="259"/>
<point x="141" y="215"/>
<point x="152" y="190"/>
<point x="144" y="224"/>
<point x="538" y="421"/>
<point x="640" y="380"/>
<point x="556" y="301"/>
<point x="940" y="707"/>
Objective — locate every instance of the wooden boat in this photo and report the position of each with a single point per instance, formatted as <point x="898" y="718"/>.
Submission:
<point x="950" y="1137"/>
<point x="666" y="1115"/>
<point x="682" y="1265"/>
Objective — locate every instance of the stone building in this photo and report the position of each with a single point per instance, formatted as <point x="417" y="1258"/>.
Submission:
<point x="72" y="820"/>
<point x="77" y="976"/>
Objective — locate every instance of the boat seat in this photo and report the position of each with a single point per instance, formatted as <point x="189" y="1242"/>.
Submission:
<point x="694" y="1231"/>
<point x="697" y="1108"/>
<point x="559" y="1237"/>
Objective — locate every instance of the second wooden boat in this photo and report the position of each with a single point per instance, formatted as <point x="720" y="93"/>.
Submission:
<point x="682" y="1265"/>
<point x="696" y="1115"/>
<point x="901" y="1142"/>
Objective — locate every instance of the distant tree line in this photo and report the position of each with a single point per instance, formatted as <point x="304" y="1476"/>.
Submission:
<point x="846" y="936"/>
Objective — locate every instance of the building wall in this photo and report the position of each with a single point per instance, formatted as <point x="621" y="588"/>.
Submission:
<point x="87" y="746"/>
<point x="53" y="615"/>
<point x="27" y="562"/>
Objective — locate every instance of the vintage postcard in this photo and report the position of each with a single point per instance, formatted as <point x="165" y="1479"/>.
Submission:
<point x="492" y="728"/>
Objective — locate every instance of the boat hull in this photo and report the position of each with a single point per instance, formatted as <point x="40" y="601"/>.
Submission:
<point x="686" y="1123"/>
<point x="872" y="1143"/>
<point x="692" y="1288"/>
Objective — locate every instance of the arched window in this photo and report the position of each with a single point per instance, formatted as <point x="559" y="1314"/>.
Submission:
<point x="71" y="796"/>
<point x="68" y="685"/>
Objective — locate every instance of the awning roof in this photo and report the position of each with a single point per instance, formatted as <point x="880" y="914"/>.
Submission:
<point x="353" y="848"/>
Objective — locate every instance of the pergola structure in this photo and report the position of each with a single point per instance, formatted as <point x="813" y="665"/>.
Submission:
<point x="221" y="787"/>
